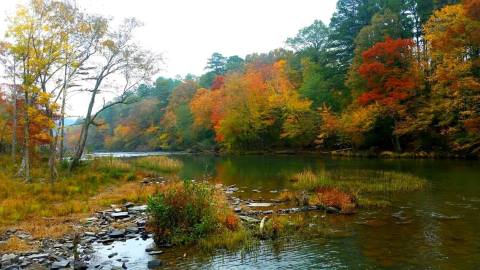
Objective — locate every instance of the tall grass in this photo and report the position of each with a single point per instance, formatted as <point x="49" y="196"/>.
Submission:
<point x="159" y="164"/>
<point x="360" y="181"/>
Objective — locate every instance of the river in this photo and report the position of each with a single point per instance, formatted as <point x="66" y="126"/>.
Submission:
<point x="438" y="228"/>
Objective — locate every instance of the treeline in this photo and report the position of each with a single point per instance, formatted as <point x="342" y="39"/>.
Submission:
<point x="51" y="50"/>
<point x="383" y="75"/>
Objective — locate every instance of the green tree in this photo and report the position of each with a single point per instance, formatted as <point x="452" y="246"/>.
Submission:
<point x="216" y="63"/>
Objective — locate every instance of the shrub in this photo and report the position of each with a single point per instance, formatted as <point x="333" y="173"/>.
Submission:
<point x="185" y="212"/>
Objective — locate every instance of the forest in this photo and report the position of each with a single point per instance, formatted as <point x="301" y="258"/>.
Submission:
<point x="400" y="76"/>
<point x="383" y="76"/>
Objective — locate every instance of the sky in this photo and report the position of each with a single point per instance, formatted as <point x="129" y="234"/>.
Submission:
<point x="187" y="32"/>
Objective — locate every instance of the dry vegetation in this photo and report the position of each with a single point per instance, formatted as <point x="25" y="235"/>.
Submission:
<point x="45" y="209"/>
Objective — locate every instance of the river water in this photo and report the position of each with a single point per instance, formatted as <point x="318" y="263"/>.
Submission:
<point x="436" y="228"/>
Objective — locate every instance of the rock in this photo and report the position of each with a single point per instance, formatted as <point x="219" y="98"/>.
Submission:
<point x="256" y="190"/>
<point x="79" y="265"/>
<point x="89" y="234"/>
<point x="128" y="205"/>
<point x="37" y="256"/>
<point x="112" y="255"/>
<point x="119" y="215"/>
<point x="132" y="229"/>
<point x="60" y="264"/>
<point x="249" y="219"/>
<point x="141" y="208"/>
<point x="118" y="266"/>
<point x="399" y="215"/>
<point x="155" y="252"/>
<point x="24" y="236"/>
<point x="154" y="264"/>
<point x="9" y="258"/>
<point x="332" y="210"/>
<point x="268" y="212"/>
<point x="443" y="217"/>
<point x="117" y="233"/>
<point x="253" y="204"/>
<point x="12" y="267"/>
<point x="91" y="219"/>
<point x="237" y="209"/>
<point x="273" y="191"/>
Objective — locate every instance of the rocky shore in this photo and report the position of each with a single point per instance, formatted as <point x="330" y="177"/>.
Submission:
<point x="76" y="250"/>
<point x="120" y="223"/>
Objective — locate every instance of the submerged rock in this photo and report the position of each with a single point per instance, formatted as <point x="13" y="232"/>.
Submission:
<point x="61" y="264"/>
<point x="443" y="217"/>
<point x="253" y="204"/>
<point x="117" y="233"/>
<point x="154" y="264"/>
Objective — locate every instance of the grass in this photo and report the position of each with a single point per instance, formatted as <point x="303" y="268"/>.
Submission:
<point x="44" y="209"/>
<point x="241" y="238"/>
<point x="159" y="164"/>
<point x="17" y="244"/>
<point x="361" y="181"/>
<point x="347" y="190"/>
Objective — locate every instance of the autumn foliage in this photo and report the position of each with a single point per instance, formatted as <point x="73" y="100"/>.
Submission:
<point x="387" y="69"/>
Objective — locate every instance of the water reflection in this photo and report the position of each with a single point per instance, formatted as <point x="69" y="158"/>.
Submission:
<point x="437" y="228"/>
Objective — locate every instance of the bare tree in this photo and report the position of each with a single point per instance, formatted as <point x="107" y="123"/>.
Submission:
<point x="119" y="59"/>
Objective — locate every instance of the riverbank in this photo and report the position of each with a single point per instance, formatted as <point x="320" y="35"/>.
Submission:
<point x="44" y="209"/>
<point x="348" y="153"/>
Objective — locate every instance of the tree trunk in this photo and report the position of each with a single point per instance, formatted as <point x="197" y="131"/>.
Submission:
<point x="62" y="115"/>
<point x="14" y="118"/>
<point x="52" y="158"/>
<point x="25" y="167"/>
<point x="84" y="133"/>
<point x="396" y="144"/>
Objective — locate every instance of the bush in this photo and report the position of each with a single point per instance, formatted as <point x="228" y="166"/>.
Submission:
<point x="186" y="212"/>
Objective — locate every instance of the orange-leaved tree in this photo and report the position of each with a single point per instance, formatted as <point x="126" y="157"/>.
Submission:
<point x="453" y="36"/>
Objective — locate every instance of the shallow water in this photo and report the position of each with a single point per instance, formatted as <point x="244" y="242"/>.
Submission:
<point x="437" y="228"/>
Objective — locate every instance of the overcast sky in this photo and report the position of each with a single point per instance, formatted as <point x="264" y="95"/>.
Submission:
<point x="187" y="32"/>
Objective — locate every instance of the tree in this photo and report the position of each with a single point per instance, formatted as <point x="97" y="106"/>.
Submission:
<point x="178" y="119"/>
<point x="11" y="67"/>
<point x="386" y="24"/>
<point x="391" y="78"/>
<point x="216" y="63"/>
<point x="347" y="21"/>
<point x="117" y="55"/>
<point x="234" y="64"/>
<point x="311" y="38"/>
<point x="453" y="40"/>
<point x="36" y="52"/>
